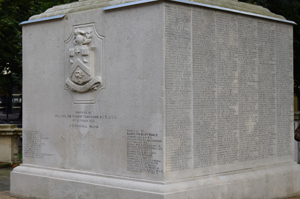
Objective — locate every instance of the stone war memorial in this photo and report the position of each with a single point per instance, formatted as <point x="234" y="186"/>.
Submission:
<point x="157" y="99"/>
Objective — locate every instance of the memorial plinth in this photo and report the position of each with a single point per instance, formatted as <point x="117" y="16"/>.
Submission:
<point x="157" y="99"/>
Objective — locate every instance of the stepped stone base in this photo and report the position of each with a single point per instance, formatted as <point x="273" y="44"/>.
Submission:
<point x="270" y="182"/>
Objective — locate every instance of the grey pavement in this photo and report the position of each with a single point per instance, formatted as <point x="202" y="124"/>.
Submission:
<point x="5" y="184"/>
<point x="4" y="178"/>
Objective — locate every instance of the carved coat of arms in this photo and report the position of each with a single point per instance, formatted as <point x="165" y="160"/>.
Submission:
<point x="84" y="62"/>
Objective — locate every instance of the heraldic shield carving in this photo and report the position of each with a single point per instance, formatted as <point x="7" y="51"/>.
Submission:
<point x="83" y="71"/>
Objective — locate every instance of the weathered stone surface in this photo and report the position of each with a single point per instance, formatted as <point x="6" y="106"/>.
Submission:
<point x="193" y="101"/>
<point x="83" y="5"/>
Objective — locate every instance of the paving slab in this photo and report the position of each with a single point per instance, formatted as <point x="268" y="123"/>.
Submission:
<point x="5" y="178"/>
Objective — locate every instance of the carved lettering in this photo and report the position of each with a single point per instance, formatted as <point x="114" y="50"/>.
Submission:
<point x="233" y="102"/>
<point x="143" y="152"/>
<point x="33" y="144"/>
<point x="178" y="82"/>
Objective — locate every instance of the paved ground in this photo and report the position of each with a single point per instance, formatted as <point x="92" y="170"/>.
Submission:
<point x="5" y="183"/>
<point x="4" y="179"/>
<point x="5" y="195"/>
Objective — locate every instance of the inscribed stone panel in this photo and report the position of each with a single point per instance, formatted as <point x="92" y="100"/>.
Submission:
<point x="248" y="89"/>
<point x="284" y="89"/>
<point x="227" y="88"/>
<point x="178" y="77"/>
<point x="239" y="93"/>
<point x="204" y="89"/>
<point x="266" y="139"/>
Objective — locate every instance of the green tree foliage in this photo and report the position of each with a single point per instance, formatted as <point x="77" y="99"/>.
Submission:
<point x="12" y="13"/>
<point x="290" y="9"/>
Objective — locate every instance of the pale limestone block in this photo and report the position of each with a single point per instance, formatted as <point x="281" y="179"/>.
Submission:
<point x="192" y="102"/>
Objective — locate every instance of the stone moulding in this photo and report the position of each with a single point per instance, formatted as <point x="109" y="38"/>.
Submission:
<point x="92" y="4"/>
<point x="42" y="19"/>
<point x="234" y="183"/>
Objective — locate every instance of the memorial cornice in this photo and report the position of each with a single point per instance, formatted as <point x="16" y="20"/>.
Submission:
<point x="83" y="5"/>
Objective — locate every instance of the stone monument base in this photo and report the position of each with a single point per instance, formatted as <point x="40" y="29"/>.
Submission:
<point x="282" y="180"/>
<point x="157" y="100"/>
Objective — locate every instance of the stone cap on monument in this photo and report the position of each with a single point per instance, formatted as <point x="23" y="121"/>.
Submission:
<point x="83" y="5"/>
